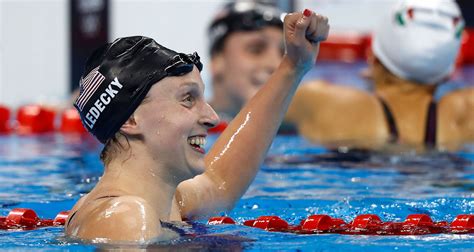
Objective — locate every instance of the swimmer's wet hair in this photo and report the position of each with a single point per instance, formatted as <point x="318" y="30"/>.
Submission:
<point x="241" y="16"/>
<point x="117" y="78"/>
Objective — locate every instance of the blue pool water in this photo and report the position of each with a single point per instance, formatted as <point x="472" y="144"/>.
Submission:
<point x="49" y="173"/>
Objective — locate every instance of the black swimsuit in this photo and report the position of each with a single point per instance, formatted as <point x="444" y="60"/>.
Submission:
<point x="430" y="129"/>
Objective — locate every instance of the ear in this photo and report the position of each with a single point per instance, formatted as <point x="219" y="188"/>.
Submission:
<point x="130" y="127"/>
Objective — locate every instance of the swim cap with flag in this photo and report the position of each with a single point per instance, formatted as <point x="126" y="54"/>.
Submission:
<point x="420" y="40"/>
<point x="117" y="78"/>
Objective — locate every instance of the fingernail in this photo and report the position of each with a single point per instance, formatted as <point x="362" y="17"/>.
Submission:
<point x="307" y="12"/>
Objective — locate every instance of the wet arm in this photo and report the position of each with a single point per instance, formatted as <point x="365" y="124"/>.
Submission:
<point x="235" y="158"/>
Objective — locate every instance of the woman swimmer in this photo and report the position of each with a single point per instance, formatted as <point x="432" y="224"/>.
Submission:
<point x="145" y="102"/>
<point x="246" y="46"/>
<point x="414" y="50"/>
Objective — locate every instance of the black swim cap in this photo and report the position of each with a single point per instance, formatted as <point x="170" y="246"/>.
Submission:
<point x="241" y="16"/>
<point x="117" y="78"/>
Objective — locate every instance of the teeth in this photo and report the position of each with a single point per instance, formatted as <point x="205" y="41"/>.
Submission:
<point x="197" y="140"/>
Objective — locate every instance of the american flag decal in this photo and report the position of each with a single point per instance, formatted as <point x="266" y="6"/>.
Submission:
<point x="87" y="86"/>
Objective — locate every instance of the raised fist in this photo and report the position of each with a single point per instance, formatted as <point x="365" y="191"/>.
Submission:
<point x="303" y="32"/>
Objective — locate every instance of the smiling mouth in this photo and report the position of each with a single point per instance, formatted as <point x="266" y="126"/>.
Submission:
<point x="197" y="143"/>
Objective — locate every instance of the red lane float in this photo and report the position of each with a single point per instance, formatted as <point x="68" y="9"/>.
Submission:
<point x="366" y="224"/>
<point x="463" y="223"/>
<point x="466" y="54"/>
<point x="34" y="119"/>
<point x="37" y="119"/>
<point x="27" y="219"/>
<point x="71" y="122"/>
<point x="4" y="117"/>
<point x="320" y="222"/>
<point x="220" y="220"/>
<point x="270" y="223"/>
<point x="345" y="47"/>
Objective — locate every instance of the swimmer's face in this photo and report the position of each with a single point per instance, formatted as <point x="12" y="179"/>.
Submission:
<point x="247" y="60"/>
<point x="174" y="119"/>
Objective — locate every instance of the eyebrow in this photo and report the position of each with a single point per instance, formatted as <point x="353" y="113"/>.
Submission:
<point x="191" y="84"/>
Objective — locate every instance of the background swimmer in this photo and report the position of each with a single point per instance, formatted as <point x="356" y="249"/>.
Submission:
<point x="246" y="46"/>
<point x="154" y="129"/>
<point x="414" y="51"/>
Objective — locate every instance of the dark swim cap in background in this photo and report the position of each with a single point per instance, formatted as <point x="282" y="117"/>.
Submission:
<point x="241" y="16"/>
<point x="117" y="78"/>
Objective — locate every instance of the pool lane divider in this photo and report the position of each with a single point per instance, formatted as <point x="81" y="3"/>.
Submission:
<point x="27" y="219"/>
<point x="365" y="224"/>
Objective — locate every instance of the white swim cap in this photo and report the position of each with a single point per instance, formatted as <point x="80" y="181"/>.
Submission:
<point x="420" y="40"/>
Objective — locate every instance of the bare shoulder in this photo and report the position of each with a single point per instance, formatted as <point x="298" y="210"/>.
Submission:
<point x="124" y="218"/>
<point x="328" y="92"/>
<point x="314" y="97"/>
<point x="461" y="99"/>
<point x="330" y="113"/>
<point x="456" y="116"/>
<point x="458" y="105"/>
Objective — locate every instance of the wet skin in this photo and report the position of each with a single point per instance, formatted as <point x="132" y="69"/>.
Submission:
<point x="152" y="180"/>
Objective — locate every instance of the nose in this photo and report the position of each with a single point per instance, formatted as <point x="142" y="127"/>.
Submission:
<point x="209" y="118"/>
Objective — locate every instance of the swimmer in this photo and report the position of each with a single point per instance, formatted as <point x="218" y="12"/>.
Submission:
<point x="246" y="47"/>
<point x="145" y="103"/>
<point x="414" y="50"/>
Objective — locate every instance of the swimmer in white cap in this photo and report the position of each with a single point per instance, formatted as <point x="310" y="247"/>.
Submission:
<point x="414" y="50"/>
<point x="146" y="103"/>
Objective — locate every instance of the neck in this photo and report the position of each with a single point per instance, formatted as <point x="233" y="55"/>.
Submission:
<point x="404" y="91"/>
<point x="392" y="87"/>
<point x="136" y="173"/>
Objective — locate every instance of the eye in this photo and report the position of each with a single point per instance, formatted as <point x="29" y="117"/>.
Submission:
<point x="257" y="48"/>
<point x="189" y="100"/>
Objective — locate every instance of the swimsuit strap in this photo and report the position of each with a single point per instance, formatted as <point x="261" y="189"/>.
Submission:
<point x="70" y="218"/>
<point x="431" y="118"/>
<point x="107" y="196"/>
<point x="390" y="120"/>
<point x="173" y="228"/>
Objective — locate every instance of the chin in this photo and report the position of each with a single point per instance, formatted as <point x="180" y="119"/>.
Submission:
<point x="197" y="168"/>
